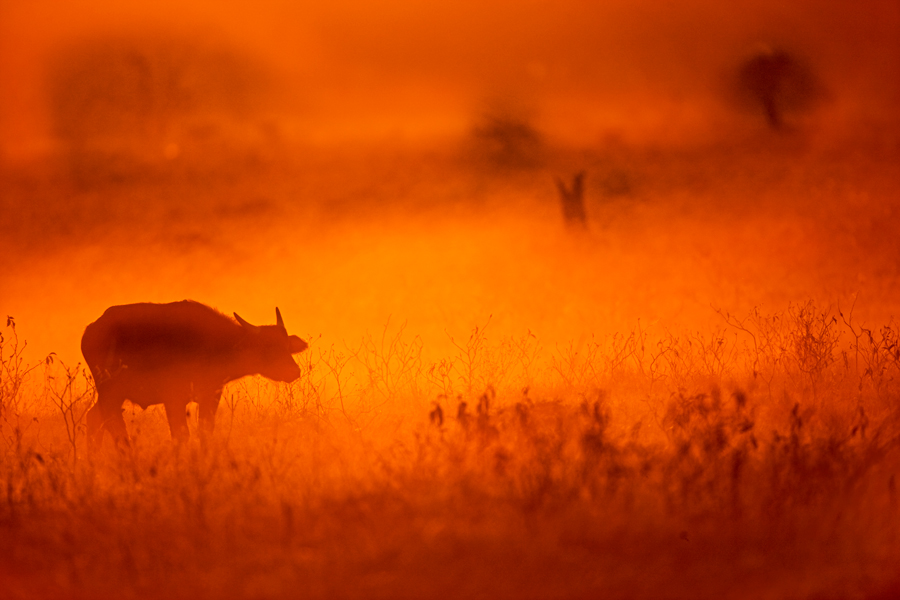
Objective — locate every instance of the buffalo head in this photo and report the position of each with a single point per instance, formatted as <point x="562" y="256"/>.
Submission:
<point x="267" y="349"/>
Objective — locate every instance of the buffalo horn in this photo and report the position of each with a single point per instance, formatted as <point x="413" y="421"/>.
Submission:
<point x="245" y="323"/>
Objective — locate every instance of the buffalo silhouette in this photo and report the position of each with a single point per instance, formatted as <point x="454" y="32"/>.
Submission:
<point x="173" y="354"/>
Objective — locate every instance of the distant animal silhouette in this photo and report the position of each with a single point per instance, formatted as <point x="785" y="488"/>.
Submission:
<point x="173" y="354"/>
<point x="572" y="200"/>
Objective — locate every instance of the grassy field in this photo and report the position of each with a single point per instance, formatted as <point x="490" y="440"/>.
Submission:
<point x="697" y="397"/>
<point x="756" y="462"/>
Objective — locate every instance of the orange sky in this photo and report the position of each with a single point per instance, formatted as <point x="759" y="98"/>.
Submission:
<point x="357" y="69"/>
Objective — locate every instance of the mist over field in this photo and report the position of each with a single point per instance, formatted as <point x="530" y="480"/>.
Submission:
<point x="692" y="393"/>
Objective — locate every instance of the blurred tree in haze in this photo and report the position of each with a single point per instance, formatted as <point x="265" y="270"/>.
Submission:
<point x="506" y="140"/>
<point x="124" y="103"/>
<point x="779" y="84"/>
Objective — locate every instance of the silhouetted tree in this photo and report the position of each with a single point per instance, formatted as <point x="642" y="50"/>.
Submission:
<point x="778" y="82"/>
<point x="507" y="141"/>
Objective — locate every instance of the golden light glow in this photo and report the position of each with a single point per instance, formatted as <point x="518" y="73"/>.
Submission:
<point x="692" y="393"/>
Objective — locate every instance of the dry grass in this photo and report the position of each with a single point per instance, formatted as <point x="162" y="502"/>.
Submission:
<point x="755" y="461"/>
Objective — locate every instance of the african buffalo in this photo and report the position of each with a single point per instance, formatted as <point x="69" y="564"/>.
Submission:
<point x="176" y="353"/>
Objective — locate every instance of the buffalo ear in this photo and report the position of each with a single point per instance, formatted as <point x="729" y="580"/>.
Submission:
<point x="245" y="324"/>
<point x="278" y="320"/>
<point x="297" y="345"/>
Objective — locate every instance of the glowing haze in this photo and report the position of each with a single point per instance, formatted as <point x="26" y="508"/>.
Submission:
<point x="600" y="298"/>
<point x="357" y="69"/>
<point x="341" y="160"/>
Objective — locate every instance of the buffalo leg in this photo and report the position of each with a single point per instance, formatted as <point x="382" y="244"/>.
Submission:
<point x="95" y="427"/>
<point x="115" y="423"/>
<point x="175" y="414"/>
<point x="106" y="415"/>
<point x="208" y="407"/>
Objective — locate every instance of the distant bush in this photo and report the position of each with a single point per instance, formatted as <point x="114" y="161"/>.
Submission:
<point x="123" y="104"/>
